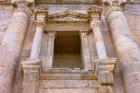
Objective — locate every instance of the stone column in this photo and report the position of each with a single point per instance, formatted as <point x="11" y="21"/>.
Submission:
<point x="31" y="67"/>
<point x="50" y="50"/>
<point x="95" y="25"/>
<point x="11" y="46"/>
<point x="104" y="66"/>
<point x="127" y="49"/>
<point x="40" y="19"/>
<point x="85" y="51"/>
<point x="104" y="73"/>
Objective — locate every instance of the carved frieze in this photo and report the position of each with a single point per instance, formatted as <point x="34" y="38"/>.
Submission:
<point x="68" y="16"/>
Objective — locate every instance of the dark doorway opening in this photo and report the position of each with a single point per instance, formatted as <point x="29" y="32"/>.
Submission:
<point x="67" y="50"/>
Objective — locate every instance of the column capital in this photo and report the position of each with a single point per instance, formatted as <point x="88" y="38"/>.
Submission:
<point x="41" y="15"/>
<point x="112" y="5"/>
<point x="52" y="34"/>
<point x="94" y="12"/>
<point x="22" y="6"/>
<point x="84" y="33"/>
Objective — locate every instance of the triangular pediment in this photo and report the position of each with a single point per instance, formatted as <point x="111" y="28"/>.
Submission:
<point x="68" y="16"/>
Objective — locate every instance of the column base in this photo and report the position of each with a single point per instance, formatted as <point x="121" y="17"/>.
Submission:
<point x="31" y="69"/>
<point x="104" y="70"/>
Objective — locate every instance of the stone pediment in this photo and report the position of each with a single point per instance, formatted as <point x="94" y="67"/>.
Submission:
<point x="68" y="16"/>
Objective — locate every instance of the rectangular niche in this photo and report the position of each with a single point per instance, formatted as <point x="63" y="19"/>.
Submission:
<point x="67" y="50"/>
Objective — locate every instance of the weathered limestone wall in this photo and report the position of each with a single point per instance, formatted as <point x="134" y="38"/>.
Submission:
<point x="5" y="16"/>
<point x="132" y="13"/>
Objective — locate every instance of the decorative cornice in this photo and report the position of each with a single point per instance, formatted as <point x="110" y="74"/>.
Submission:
<point x="68" y="13"/>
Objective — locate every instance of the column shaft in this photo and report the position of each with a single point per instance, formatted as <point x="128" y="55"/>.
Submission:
<point x="100" y="46"/>
<point x="37" y="42"/>
<point x="128" y="51"/>
<point x="50" y="50"/>
<point x="85" y="51"/>
<point x="10" y="49"/>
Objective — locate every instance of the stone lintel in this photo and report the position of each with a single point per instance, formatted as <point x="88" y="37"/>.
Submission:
<point x="104" y="70"/>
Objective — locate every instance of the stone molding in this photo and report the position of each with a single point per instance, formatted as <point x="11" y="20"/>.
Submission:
<point x="104" y="69"/>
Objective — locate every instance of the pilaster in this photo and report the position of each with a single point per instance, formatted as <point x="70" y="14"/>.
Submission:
<point x="40" y="22"/>
<point x="85" y="51"/>
<point x="50" y="47"/>
<point x="31" y="67"/>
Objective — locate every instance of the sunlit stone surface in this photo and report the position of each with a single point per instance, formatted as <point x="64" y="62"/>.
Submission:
<point x="69" y="46"/>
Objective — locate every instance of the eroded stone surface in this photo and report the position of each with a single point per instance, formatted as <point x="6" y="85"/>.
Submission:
<point x="131" y="70"/>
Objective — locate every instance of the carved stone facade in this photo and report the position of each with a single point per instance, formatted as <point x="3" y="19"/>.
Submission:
<point x="69" y="46"/>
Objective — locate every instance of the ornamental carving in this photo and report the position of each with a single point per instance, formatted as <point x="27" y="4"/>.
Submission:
<point x="68" y="16"/>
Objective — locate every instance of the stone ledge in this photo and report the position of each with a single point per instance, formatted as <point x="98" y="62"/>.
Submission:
<point x="67" y="74"/>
